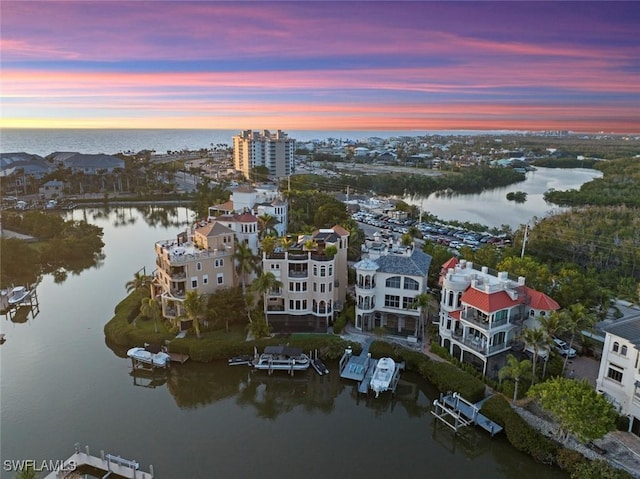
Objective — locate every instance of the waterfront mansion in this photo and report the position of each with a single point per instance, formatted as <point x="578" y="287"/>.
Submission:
<point x="388" y="279"/>
<point x="313" y="273"/>
<point x="482" y="313"/>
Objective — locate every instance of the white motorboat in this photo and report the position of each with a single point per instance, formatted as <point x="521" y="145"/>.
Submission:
<point x="382" y="375"/>
<point x="281" y="358"/>
<point x="158" y="360"/>
<point x="18" y="295"/>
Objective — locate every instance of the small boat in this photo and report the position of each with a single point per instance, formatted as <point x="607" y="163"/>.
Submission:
<point x="18" y="295"/>
<point x="318" y="365"/>
<point x="239" y="360"/>
<point x="382" y="375"/>
<point x="157" y="360"/>
<point x="281" y="358"/>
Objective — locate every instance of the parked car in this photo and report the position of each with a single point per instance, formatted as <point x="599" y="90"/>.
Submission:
<point x="563" y="348"/>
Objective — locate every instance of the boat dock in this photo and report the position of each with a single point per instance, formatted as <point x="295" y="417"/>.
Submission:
<point x="107" y="463"/>
<point x="361" y="368"/>
<point x="463" y="413"/>
<point x="318" y="364"/>
<point x="178" y="358"/>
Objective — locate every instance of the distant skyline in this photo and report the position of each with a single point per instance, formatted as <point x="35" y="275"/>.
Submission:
<point x="321" y="65"/>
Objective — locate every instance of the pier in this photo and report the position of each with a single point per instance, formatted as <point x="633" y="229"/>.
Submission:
<point x="456" y="412"/>
<point x="361" y="368"/>
<point x="107" y="463"/>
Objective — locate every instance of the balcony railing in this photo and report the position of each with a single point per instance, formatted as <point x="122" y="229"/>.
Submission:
<point x="178" y="277"/>
<point x="363" y="285"/>
<point x="481" y="321"/>
<point x="298" y="274"/>
<point x="275" y="307"/>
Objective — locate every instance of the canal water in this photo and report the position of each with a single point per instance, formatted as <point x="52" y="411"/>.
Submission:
<point x="492" y="208"/>
<point x="61" y="385"/>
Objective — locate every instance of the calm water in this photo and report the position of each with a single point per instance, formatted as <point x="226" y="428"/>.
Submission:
<point x="61" y="384"/>
<point x="110" y="141"/>
<point x="492" y="208"/>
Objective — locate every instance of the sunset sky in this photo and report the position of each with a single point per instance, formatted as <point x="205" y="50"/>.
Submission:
<point x="321" y="65"/>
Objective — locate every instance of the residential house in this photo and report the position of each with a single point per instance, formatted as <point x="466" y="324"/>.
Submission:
<point x="23" y="164"/>
<point x="314" y="283"/>
<point x="388" y="279"/>
<point x="258" y="200"/>
<point x="482" y="313"/>
<point x="87" y="164"/>
<point x="51" y="190"/>
<point x="199" y="259"/>
<point x="619" y="373"/>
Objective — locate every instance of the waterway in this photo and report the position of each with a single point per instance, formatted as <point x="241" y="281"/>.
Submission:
<point x="61" y="384"/>
<point x="492" y="208"/>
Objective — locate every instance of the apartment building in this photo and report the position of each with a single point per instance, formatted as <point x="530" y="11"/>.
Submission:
<point x="272" y="150"/>
<point x="482" y="313"/>
<point x="619" y="373"/>
<point x="314" y="282"/>
<point x="388" y="279"/>
<point x="199" y="259"/>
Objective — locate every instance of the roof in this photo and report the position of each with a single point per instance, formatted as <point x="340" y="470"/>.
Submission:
<point x="540" y="300"/>
<point x="244" y="189"/>
<point x="339" y="230"/>
<point x="214" y="229"/>
<point x="628" y="329"/>
<point x="415" y="265"/>
<point x="455" y="314"/>
<point x="228" y="206"/>
<point x="246" y="218"/>
<point x="488" y="302"/>
<point x="450" y="263"/>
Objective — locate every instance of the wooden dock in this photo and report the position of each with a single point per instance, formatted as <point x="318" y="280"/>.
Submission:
<point x="178" y="358"/>
<point x="454" y="407"/>
<point x="107" y="463"/>
<point x="361" y="368"/>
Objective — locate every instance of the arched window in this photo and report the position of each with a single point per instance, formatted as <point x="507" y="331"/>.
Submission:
<point x="616" y="346"/>
<point x="623" y="350"/>
<point x="411" y="284"/>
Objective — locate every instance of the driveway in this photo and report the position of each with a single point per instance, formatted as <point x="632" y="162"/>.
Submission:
<point x="583" y="367"/>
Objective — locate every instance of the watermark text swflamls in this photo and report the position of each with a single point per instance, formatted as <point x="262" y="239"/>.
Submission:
<point x="50" y="465"/>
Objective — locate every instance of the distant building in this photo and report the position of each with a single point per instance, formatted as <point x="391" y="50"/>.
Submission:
<point x="314" y="284"/>
<point x="87" y="164"/>
<point x="619" y="374"/>
<point x="271" y="150"/>
<point x="52" y="189"/>
<point x="22" y="163"/>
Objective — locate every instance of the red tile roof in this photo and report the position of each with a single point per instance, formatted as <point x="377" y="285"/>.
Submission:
<point x="246" y="218"/>
<point x="541" y="301"/>
<point x="450" y="264"/>
<point x="455" y="314"/>
<point x="340" y="231"/>
<point x="488" y="302"/>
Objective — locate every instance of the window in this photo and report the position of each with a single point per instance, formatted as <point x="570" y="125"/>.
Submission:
<point x="275" y="266"/>
<point x="391" y="301"/>
<point x="194" y="283"/>
<point x="330" y="284"/>
<point x="323" y="271"/>
<point x="220" y="278"/>
<point x="614" y="373"/>
<point x="219" y="263"/>
<point x="198" y="266"/>
<point x="330" y="270"/>
<point x="393" y="282"/>
<point x="315" y="287"/>
<point x="205" y="279"/>
<point x="616" y="346"/>
<point x="407" y="303"/>
<point x="411" y="284"/>
<point x="322" y="287"/>
<point x="291" y="286"/>
<point x="315" y="270"/>
<point x="623" y="350"/>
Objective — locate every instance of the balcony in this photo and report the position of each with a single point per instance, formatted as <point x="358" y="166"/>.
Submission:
<point x="178" y="277"/>
<point x="366" y="285"/>
<point x="480" y="320"/>
<point x="298" y="274"/>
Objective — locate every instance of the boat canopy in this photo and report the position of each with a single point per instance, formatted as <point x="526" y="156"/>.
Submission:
<point x="283" y="350"/>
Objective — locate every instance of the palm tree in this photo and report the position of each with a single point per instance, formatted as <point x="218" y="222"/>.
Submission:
<point x="265" y="283"/>
<point x="515" y="370"/>
<point x="285" y="243"/>
<point x="424" y="302"/>
<point x="246" y="263"/>
<point x="579" y="318"/>
<point x="537" y="340"/>
<point x="268" y="245"/>
<point x="266" y="224"/>
<point x="151" y="309"/>
<point x="554" y="324"/>
<point x="194" y="308"/>
<point x="139" y="280"/>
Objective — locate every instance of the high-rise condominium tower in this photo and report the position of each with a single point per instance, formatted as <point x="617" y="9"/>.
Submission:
<point x="273" y="150"/>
